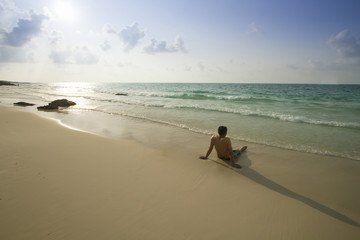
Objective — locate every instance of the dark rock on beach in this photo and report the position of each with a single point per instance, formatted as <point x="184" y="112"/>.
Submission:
<point x="24" y="104"/>
<point x="48" y="108"/>
<point x="54" y="105"/>
<point x="62" y="103"/>
<point x="6" y="83"/>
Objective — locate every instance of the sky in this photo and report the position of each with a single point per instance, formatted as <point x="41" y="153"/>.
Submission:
<point x="243" y="41"/>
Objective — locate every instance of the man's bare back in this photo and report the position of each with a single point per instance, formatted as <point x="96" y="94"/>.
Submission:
<point x="223" y="147"/>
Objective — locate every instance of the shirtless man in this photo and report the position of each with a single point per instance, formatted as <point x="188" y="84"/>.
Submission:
<point x="223" y="147"/>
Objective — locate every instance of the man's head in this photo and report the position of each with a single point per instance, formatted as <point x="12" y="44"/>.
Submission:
<point x="222" y="130"/>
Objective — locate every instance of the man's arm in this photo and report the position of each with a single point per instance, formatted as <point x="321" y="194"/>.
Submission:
<point x="209" y="150"/>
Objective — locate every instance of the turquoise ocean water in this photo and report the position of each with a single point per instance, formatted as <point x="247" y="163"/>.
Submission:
<point x="322" y="119"/>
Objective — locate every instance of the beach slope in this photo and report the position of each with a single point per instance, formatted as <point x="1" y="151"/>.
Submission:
<point x="58" y="183"/>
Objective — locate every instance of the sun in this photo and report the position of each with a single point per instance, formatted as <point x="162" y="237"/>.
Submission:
<point x="65" y="11"/>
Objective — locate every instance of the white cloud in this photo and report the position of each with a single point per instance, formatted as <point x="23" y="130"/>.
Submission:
<point x="348" y="49"/>
<point x="2" y="9"/>
<point x="60" y="57"/>
<point x="179" y="44"/>
<point x="162" y="46"/>
<point x="254" y="30"/>
<point x="11" y="54"/>
<point x="109" y="29"/>
<point x="25" y="30"/>
<point x="156" y="46"/>
<point x="131" y="35"/>
<point x="9" y="14"/>
<point x="55" y="38"/>
<point x="316" y="64"/>
<point x="82" y="55"/>
<point x="105" y="46"/>
<point x="345" y="44"/>
<point x="338" y="65"/>
<point x="79" y="55"/>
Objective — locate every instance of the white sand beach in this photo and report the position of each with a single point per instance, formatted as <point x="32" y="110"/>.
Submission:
<point x="59" y="183"/>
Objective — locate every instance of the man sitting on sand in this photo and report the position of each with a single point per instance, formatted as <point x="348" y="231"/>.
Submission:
<point x="223" y="147"/>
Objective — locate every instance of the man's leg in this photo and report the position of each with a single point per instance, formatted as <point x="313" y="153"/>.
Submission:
<point x="237" y="152"/>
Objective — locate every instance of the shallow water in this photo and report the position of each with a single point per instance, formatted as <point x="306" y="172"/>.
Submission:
<point x="323" y="119"/>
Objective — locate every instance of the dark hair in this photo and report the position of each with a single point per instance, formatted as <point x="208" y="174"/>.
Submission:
<point x="222" y="130"/>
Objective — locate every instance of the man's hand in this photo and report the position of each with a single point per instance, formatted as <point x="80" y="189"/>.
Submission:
<point x="203" y="157"/>
<point x="236" y="165"/>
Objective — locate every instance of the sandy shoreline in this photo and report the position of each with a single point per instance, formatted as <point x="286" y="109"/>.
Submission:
<point x="57" y="183"/>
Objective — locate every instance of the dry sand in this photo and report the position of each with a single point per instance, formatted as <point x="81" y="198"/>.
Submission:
<point x="58" y="183"/>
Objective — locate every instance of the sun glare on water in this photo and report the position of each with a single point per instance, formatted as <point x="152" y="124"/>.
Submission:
<point x="65" y="11"/>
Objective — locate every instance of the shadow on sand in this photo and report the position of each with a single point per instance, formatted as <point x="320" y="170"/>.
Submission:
<point x="260" y="179"/>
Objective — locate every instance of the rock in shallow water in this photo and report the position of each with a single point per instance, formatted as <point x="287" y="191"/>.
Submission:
<point x="62" y="103"/>
<point x="54" y="105"/>
<point x="24" y="104"/>
<point x="6" y="83"/>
